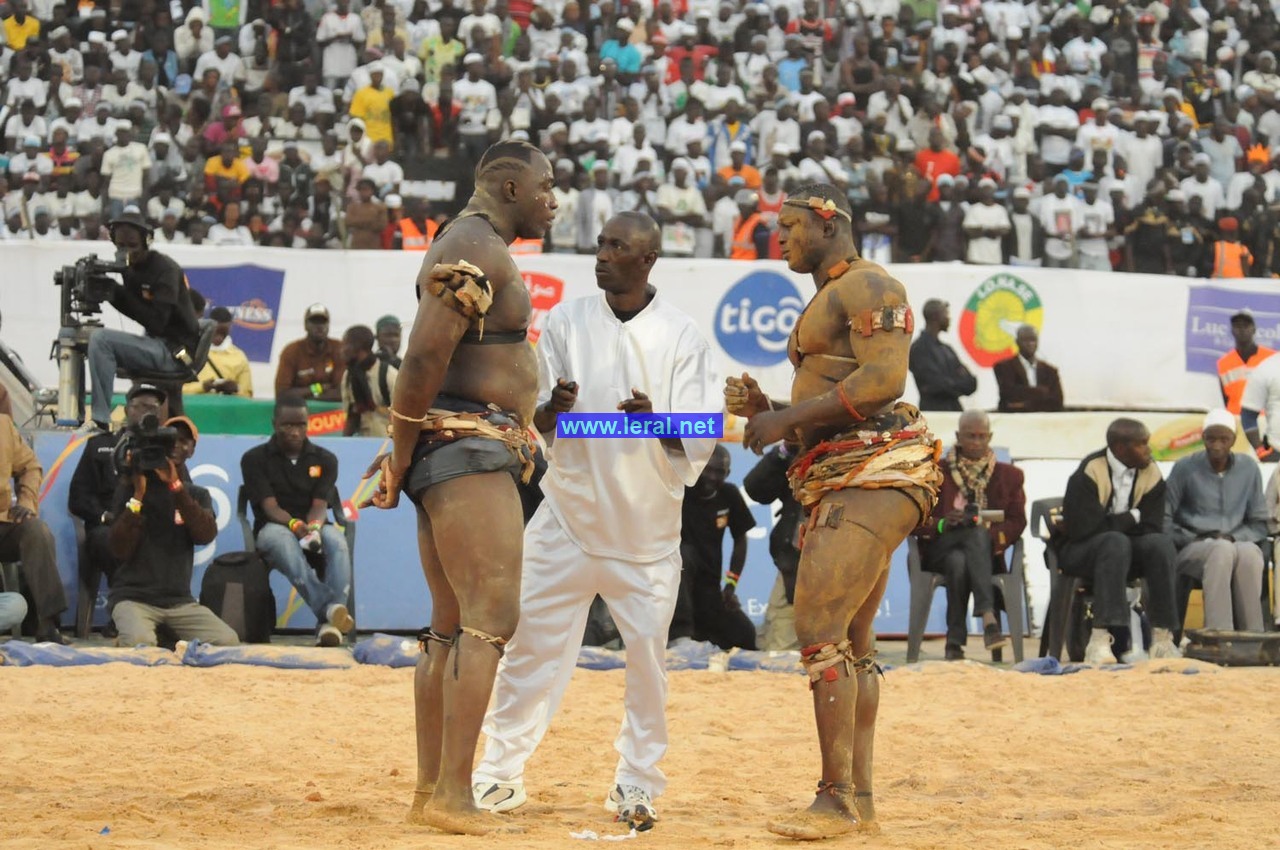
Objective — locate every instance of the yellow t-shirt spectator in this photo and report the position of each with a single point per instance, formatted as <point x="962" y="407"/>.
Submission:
<point x="214" y="169"/>
<point x="228" y="363"/>
<point x="373" y="106"/>
<point x="16" y="34"/>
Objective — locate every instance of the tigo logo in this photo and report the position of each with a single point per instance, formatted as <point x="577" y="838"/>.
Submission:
<point x="254" y="314"/>
<point x="756" y="316"/>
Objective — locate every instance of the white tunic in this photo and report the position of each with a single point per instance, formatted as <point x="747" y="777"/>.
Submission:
<point x="621" y="498"/>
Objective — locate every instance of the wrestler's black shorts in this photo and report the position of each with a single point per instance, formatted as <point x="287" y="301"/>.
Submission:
<point x="436" y="462"/>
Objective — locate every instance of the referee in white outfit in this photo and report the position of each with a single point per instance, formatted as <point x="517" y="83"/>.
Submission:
<point x="610" y="521"/>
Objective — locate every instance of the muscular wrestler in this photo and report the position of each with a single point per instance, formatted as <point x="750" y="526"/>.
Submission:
<point x="463" y="400"/>
<point x="866" y="475"/>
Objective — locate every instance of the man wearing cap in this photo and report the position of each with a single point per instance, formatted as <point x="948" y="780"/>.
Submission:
<point x="312" y="367"/>
<point x="1217" y="517"/>
<point x="340" y="34"/>
<point x="1263" y="79"/>
<point x="366" y="217"/>
<point x="25" y="123"/>
<point x="159" y="519"/>
<point x="125" y="165"/>
<point x="1231" y="258"/>
<point x="388" y="336"/>
<point x="229" y="65"/>
<point x="478" y="98"/>
<point x="1097" y="224"/>
<point x="738" y="167"/>
<point x="226" y="372"/>
<point x="372" y="104"/>
<point x="154" y="293"/>
<point x="1235" y="367"/>
<point x="63" y="54"/>
<point x="192" y="39"/>
<point x="750" y="233"/>
<point x="414" y="228"/>
<point x="986" y="223"/>
<point x="681" y="209"/>
<point x="564" y="231"/>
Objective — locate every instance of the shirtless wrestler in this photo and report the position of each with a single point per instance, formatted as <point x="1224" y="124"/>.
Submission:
<point x="866" y="474"/>
<point x="462" y="403"/>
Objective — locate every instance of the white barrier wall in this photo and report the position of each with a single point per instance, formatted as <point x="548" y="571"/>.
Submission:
<point x="1119" y="340"/>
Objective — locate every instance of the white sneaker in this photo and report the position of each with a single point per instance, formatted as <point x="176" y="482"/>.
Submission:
<point x="327" y="635"/>
<point x="1098" y="652"/>
<point x="1164" y="649"/>
<point x="632" y="804"/>
<point x="499" y="797"/>
<point x="339" y="617"/>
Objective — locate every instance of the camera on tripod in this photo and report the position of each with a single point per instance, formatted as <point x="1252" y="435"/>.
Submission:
<point x="145" y="447"/>
<point x="85" y="286"/>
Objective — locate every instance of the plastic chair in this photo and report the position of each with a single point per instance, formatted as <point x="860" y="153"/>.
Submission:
<point x="10" y="582"/>
<point x="924" y="583"/>
<point x="89" y="580"/>
<point x="348" y="530"/>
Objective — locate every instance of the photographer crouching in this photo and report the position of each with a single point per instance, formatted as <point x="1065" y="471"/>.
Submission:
<point x="155" y="294"/>
<point x="160" y="517"/>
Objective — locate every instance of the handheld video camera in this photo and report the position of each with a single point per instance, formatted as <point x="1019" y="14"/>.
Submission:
<point x="144" y="447"/>
<point x="85" y="286"/>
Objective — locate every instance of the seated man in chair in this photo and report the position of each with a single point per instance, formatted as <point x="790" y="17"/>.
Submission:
<point x="1216" y="516"/>
<point x="289" y="480"/>
<point x="1113" y="518"/>
<point x="956" y="542"/>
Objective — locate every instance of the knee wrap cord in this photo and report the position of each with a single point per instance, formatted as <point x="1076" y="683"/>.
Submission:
<point x="822" y="661"/>
<point x="498" y="643"/>
<point x="427" y="635"/>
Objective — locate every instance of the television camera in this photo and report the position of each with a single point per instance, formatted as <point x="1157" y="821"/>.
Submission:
<point x="84" y="286"/>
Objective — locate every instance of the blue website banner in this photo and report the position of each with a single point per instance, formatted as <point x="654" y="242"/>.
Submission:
<point x="252" y="294"/>
<point x="637" y="425"/>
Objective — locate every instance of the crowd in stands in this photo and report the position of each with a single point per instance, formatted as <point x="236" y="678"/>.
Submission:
<point x="1139" y="136"/>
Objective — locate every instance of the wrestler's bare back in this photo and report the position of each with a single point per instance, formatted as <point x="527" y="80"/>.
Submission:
<point x="504" y="374"/>
<point x="829" y="345"/>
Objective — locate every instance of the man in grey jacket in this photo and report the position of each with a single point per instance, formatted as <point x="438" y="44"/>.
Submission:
<point x="1217" y="515"/>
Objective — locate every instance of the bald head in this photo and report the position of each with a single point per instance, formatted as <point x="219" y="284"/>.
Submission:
<point x="644" y="232"/>
<point x="974" y="419"/>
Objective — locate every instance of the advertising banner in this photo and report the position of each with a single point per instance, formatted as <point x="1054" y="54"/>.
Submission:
<point x="252" y="294"/>
<point x="1209" y="312"/>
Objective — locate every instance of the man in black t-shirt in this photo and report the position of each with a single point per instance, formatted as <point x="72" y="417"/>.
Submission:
<point x="704" y="611"/>
<point x="154" y="294"/>
<point x="291" y="482"/>
<point x="160" y="517"/>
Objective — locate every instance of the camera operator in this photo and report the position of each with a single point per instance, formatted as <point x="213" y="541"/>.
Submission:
<point x="957" y="542"/>
<point x="160" y="517"/>
<point x="93" y="488"/>
<point x="155" y="294"/>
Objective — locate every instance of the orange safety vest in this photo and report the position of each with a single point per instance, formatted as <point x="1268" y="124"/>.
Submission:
<point x="744" y="243"/>
<point x="1229" y="259"/>
<point x="526" y="246"/>
<point x="1234" y="373"/>
<point x="413" y="239"/>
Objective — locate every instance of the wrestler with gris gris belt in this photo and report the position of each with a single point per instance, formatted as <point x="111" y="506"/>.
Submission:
<point x="462" y="405"/>
<point x="866" y="474"/>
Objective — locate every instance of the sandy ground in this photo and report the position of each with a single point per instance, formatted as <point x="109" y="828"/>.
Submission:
<point x="968" y="756"/>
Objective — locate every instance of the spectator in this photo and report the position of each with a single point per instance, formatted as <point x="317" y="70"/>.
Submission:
<point x="704" y="610"/>
<point x="1028" y="384"/>
<point x="388" y="337"/>
<point x="229" y="232"/>
<point x="1114" y="517"/>
<point x="226" y="372"/>
<point x="1235" y="367"/>
<point x="1061" y="218"/>
<point x="367" y="384"/>
<point x="1023" y="244"/>
<point x="291" y="482"/>
<point x="1217" y="517"/>
<point x="312" y="367"/>
<point x="963" y="544"/>
<point x="24" y="537"/>
<point x="372" y="105"/>
<point x="1231" y="259"/>
<point x="159" y="517"/>
<point x="366" y="218"/>
<point x="986" y="224"/>
<point x="939" y="375"/>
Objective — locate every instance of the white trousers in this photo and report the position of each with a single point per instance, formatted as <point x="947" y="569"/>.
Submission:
<point x="557" y="587"/>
